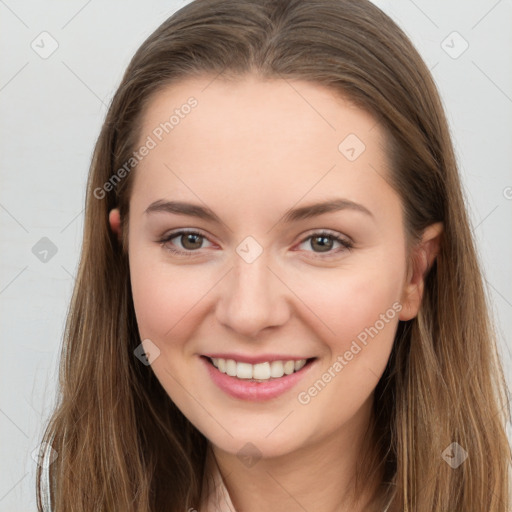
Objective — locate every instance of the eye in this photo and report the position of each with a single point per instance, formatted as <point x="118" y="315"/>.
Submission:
<point x="190" y="242"/>
<point x="324" y="242"/>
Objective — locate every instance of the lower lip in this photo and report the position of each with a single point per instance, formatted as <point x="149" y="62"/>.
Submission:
<point x="255" y="391"/>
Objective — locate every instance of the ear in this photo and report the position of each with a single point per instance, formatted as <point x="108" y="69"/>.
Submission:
<point x="114" y="219"/>
<point x="422" y="258"/>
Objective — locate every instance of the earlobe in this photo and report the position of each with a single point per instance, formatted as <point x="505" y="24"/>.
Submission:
<point x="422" y="258"/>
<point x="114" y="219"/>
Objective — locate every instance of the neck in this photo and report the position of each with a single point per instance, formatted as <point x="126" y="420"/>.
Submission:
<point x="316" y="476"/>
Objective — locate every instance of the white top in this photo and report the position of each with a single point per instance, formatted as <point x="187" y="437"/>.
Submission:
<point x="214" y="494"/>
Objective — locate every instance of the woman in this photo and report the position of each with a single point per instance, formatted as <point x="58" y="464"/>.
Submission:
<point x="279" y="304"/>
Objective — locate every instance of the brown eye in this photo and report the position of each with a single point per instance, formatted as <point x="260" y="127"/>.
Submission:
<point x="322" y="243"/>
<point x="185" y="243"/>
<point x="191" y="241"/>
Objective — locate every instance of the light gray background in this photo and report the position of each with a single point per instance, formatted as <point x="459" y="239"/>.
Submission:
<point x="51" y="113"/>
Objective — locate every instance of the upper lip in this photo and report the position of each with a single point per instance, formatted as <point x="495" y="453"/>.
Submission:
<point x="256" y="359"/>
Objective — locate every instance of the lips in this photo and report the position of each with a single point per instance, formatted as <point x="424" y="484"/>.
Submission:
<point x="256" y="390"/>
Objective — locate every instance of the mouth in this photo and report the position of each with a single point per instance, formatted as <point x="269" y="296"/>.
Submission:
<point x="261" y="372"/>
<point x="242" y="385"/>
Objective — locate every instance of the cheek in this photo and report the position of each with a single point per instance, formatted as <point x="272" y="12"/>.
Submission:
<point x="160" y="298"/>
<point x="164" y="303"/>
<point x="362" y="315"/>
<point x="350" y="300"/>
<point x="360" y="308"/>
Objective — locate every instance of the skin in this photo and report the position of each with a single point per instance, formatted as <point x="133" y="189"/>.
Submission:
<point x="250" y="151"/>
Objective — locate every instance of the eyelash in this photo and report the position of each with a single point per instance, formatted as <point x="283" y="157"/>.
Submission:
<point x="346" y="244"/>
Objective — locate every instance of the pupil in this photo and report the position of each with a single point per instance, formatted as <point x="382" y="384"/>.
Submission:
<point x="324" y="244"/>
<point x="191" y="238"/>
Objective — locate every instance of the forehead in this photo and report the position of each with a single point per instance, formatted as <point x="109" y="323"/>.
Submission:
<point x="250" y="138"/>
<point x="249" y="110"/>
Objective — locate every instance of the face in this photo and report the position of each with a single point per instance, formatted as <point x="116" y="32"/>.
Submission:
<point x="248" y="269"/>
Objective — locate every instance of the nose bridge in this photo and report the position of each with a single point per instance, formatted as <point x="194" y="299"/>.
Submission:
<point x="252" y="297"/>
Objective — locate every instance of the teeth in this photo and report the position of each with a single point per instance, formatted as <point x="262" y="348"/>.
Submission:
<point x="289" y="367"/>
<point x="244" y="370"/>
<point x="276" y="369"/>
<point x="260" y="371"/>
<point x="231" y="367"/>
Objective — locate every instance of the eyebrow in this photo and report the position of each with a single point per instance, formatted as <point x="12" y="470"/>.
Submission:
<point x="292" y="215"/>
<point x="313" y="210"/>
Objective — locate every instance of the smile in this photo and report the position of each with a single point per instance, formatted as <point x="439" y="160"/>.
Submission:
<point x="258" y="372"/>
<point x="242" y="384"/>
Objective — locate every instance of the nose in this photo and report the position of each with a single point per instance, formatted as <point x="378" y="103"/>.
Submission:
<point x="252" y="298"/>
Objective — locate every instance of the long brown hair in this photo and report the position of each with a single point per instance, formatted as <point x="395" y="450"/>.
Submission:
<point x="121" y="442"/>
